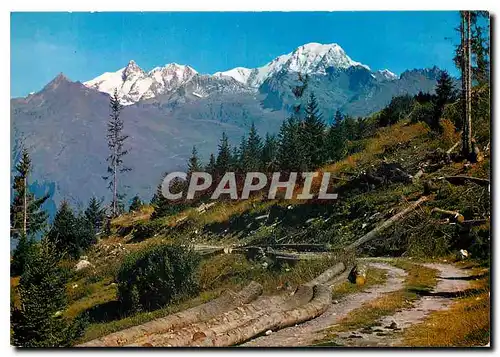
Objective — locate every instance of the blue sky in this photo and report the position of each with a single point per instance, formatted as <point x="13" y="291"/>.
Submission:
<point x="84" y="45"/>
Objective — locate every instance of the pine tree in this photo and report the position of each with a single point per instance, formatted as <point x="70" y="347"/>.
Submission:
<point x="116" y="141"/>
<point x="444" y="95"/>
<point x="269" y="153"/>
<point x="136" y="204"/>
<point x="223" y="162"/>
<point x="194" y="164"/>
<point x="38" y="322"/>
<point x="243" y="154"/>
<point x="290" y="154"/>
<point x="312" y="135"/>
<point x="336" y="140"/>
<point x="211" y="166"/>
<point x="70" y="234"/>
<point x="253" y="159"/>
<point x="235" y="160"/>
<point x="26" y="216"/>
<point x="95" y="214"/>
<point x="20" y="255"/>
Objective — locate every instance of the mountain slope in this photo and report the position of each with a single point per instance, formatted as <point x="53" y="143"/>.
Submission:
<point x="64" y="127"/>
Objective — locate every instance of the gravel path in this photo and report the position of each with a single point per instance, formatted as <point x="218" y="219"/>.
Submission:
<point x="305" y="334"/>
<point x="387" y="332"/>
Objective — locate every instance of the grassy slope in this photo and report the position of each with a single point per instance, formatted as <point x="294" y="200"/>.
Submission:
<point x="405" y="143"/>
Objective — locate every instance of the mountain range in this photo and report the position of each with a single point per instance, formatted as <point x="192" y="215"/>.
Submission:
<point x="169" y="109"/>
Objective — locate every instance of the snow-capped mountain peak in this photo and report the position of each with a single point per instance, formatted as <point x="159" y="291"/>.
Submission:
<point x="134" y="84"/>
<point x="309" y="58"/>
<point x="241" y="74"/>
<point x="385" y="75"/>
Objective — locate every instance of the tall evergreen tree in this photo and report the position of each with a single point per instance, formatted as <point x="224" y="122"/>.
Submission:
<point x="290" y="154"/>
<point x="38" y="322"/>
<point x="95" y="214"/>
<point x="336" y="140"/>
<point x="269" y="152"/>
<point x="20" y="255"/>
<point x="312" y="135"/>
<point x="194" y="164"/>
<point x="211" y="166"/>
<point x="136" y="204"/>
<point x="223" y="162"/>
<point x="444" y="95"/>
<point x="253" y="159"/>
<point x="26" y="216"/>
<point x="70" y="234"/>
<point x="116" y="141"/>
<point x="235" y="159"/>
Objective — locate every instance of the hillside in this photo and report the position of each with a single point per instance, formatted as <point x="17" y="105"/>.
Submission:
<point x="389" y="294"/>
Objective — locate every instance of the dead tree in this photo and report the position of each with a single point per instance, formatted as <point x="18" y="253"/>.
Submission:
<point x="465" y="32"/>
<point x="374" y="233"/>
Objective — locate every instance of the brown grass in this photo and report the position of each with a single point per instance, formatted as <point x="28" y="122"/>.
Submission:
<point x="465" y="324"/>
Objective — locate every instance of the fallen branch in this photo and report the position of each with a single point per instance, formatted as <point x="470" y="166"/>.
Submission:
<point x="456" y="216"/>
<point x="373" y="233"/>
<point x="474" y="222"/>
<point x="461" y="179"/>
<point x="453" y="147"/>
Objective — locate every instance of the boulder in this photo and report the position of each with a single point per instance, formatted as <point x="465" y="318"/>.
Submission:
<point x="83" y="264"/>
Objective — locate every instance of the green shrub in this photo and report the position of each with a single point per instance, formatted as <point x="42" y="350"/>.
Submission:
<point x="422" y="113"/>
<point x="152" y="278"/>
<point x="144" y="230"/>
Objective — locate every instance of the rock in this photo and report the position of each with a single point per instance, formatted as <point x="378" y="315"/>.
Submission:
<point x="335" y="302"/>
<point x="393" y="325"/>
<point x="268" y="332"/>
<point x="366" y="330"/>
<point x="198" y="335"/>
<point x="83" y="264"/>
<point x="463" y="254"/>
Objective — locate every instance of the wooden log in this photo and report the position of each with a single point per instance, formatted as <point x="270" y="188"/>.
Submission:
<point x="274" y="321"/>
<point x="455" y="216"/>
<point x="374" y="233"/>
<point x="303" y="247"/>
<point x="461" y="179"/>
<point x="229" y="300"/>
<point x="328" y="275"/>
<point x="222" y="322"/>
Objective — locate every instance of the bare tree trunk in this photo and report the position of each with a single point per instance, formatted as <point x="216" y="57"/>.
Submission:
<point x="466" y="84"/>
<point x="115" y="211"/>
<point x="25" y="206"/>
<point x="373" y="233"/>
